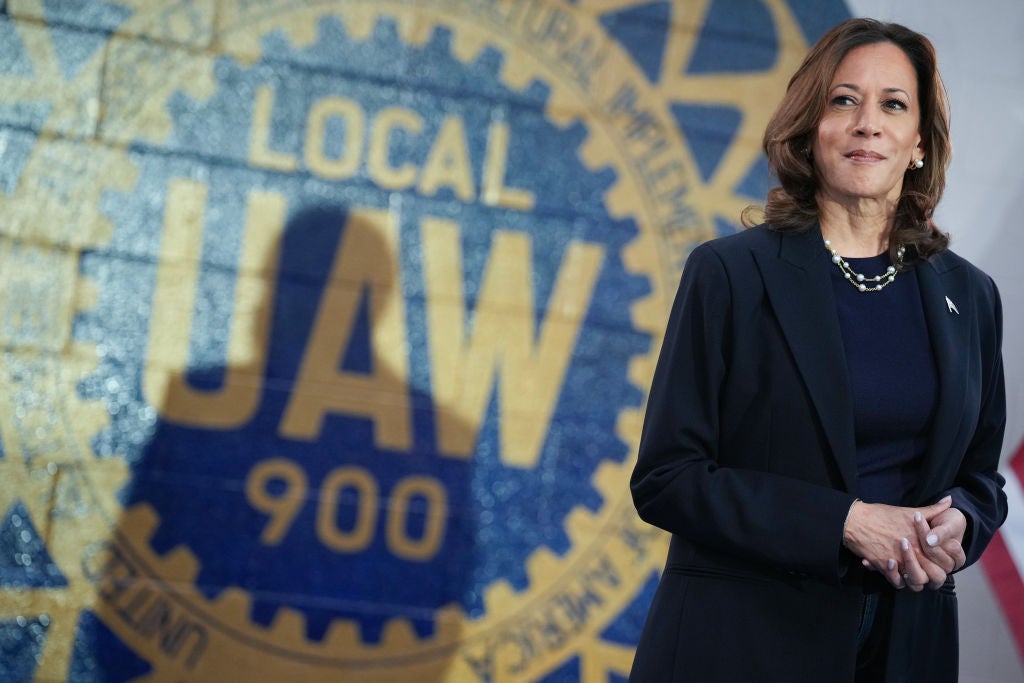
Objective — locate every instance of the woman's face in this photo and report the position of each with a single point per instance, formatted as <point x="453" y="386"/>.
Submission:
<point x="869" y="133"/>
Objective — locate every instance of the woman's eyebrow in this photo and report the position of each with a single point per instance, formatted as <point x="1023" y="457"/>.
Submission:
<point x="856" y="88"/>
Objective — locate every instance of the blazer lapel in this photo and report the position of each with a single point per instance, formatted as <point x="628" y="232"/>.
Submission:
<point x="949" y="318"/>
<point x="798" y="285"/>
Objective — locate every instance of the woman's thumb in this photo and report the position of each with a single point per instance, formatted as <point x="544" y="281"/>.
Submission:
<point x="937" y="507"/>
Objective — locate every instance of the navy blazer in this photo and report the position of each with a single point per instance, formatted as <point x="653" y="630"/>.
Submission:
<point x="748" y="458"/>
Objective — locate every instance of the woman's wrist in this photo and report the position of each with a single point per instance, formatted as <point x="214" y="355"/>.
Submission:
<point x="846" y="521"/>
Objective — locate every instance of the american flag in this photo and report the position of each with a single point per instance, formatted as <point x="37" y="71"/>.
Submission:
<point x="1003" y="561"/>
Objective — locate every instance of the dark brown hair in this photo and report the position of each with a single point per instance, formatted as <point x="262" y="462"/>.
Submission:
<point x="788" y="137"/>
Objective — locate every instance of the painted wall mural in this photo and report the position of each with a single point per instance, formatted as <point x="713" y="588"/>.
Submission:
<point x="326" y="326"/>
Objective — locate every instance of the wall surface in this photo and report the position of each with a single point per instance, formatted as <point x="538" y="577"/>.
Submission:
<point x="326" y="326"/>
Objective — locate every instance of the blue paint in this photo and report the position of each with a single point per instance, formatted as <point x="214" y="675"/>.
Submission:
<point x="641" y="31"/>
<point x="567" y="673"/>
<point x="15" y="148"/>
<point x="710" y="129"/>
<point x="99" y="656"/>
<point x="95" y="14"/>
<point x="75" y="49"/>
<point x="14" y="60"/>
<point x="816" y="17"/>
<point x="24" y="559"/>
<point x="737" y="35"/>
<point x="21" y="644"/>
<point x="626" y="628"/>
<point x="758" y="180"/>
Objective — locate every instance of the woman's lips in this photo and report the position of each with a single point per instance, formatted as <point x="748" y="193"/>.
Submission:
<point x="864" y="155"/>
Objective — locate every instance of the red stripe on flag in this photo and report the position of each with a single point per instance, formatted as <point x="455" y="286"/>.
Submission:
<point x="1017" y="463"/>
<point x="1008" y="586"/>
<point x="1005" y="577"/>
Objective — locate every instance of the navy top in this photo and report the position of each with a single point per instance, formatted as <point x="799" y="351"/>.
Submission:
<point x="893" y="378"/>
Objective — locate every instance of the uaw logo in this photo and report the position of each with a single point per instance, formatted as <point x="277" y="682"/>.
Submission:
<point x="327" y="325"/>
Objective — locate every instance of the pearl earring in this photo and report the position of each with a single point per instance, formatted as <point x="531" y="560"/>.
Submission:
<point x="918" y="164"/>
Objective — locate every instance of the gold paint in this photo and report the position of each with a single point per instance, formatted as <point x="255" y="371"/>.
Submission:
<point x="260" y="153"/>
<point x="447" y="164"/>
<point x="465" y="364"/>
<point x="164" y="382"/>
<point x="367" y="505"/>
<point x="494" y="191"/>
<point x="280" y="508"/>
<point x="346" y="165"/>
<point x="436" y="513"/>
<point x="378" y="164"/>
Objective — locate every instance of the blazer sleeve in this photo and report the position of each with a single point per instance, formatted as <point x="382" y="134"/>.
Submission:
<point x="978" y="487"/>
<point x="678" y="483"/>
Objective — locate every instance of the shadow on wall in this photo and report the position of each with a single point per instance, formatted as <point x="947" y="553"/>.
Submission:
<point x="290" y="516"/>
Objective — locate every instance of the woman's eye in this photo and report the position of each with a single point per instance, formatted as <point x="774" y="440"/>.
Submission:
<point x="895" y="105"/>
<point x="843" y="100"/>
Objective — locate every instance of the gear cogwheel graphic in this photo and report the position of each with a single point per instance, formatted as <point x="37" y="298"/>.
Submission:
<point x="524" y="630"/>
<point x="54" y="486"/>
<point x="56" y="493"/>
<point x="599" y="559"/>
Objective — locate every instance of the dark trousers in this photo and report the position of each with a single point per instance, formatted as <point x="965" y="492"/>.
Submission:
<point x="873" y="636"/>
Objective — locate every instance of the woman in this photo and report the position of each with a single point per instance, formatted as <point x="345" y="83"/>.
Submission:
<point x="825" y="422"/>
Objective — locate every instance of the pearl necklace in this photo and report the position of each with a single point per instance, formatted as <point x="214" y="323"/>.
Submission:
<point x="858" y="280"/>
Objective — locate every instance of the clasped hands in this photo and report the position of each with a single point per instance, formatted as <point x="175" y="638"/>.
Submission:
<point x="911" y="547"/>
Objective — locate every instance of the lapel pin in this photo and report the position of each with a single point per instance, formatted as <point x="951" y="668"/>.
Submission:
<point x="951" y="306"/>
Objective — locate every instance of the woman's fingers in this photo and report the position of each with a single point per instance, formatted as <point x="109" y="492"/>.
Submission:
<point x="955" y="550"/>
<point x="891" y="571"/>
<point x="936" y="508"/>
<point x="932" y="545"/>
<point x="925" y="556"/>
<point x="919" y="571"/>
<point x="914" y="577"/>
<point x="940" y="538"/>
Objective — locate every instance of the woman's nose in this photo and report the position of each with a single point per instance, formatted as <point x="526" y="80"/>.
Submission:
<point x="867" y="124"/>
